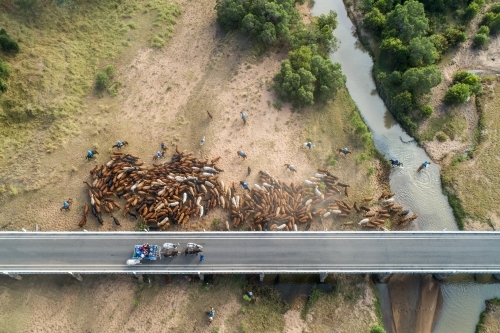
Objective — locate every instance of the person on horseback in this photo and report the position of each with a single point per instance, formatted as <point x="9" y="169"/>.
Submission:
<point x="425" y="164"/>
<point x="90" y="154"/>
<point x="119" y="144"/>
<point x="159" y="154"/>
<point x="244" y="185"/>
<point x="309" y="145"/>
<point x="345" y="150"/>
<point x="211" y="314"/>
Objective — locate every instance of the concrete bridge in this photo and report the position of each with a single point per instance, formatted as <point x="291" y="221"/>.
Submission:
<point x="253" y="252"/>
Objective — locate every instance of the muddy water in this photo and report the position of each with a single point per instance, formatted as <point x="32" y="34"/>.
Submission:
<point x="463" y="300"/>
<point x="419" y="192"/>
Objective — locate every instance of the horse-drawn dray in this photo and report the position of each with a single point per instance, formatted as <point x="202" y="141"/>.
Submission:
<point x="168" y="250"/>
<point x="193" y="248"/>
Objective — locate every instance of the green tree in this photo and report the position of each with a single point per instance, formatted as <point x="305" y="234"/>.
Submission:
<point x="422" y="52"/>
<point x="4" y="74"/>
<point x="392" y="51"/>
<point x="375" y="21"/>
<point x="420" y="80"/>
<point x="457" y="94"/>
<point x="230" y="13"/>
<point x="483" y="30"/>
<point x="440" y="43"/>
<point x="301" y="58"/>
<point x="403" y="103"/>
<point x="295" y="86"/>
<point x="329" y="78"/>
<point x="407" y="21"/>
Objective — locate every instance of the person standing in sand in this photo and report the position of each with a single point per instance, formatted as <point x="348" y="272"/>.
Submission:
<point x="244" y="117"/>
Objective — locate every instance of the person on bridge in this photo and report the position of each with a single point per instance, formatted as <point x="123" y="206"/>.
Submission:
<point x="202" y="257"/>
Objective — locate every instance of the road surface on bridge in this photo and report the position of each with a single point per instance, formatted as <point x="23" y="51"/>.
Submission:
<point x="254" y="252"/>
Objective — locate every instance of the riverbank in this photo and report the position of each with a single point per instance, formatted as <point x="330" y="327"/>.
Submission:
<point x="489" y="320"/>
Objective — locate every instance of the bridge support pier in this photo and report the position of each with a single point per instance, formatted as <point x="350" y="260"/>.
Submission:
<point x="261" y="277"/>
<point x="322" y="277"/>
<point x="497" y="276"/>
<point x="76" y="276"/>
<point x="14" y="276"/>
<point x="202" y="276"/>
<point x="441" y="276"/>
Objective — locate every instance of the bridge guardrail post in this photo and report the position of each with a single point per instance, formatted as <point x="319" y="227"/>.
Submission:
<point x="261" y="277"/>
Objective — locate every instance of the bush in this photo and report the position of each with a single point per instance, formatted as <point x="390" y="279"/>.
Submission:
<point x="375" y="21"/>
<point x="472" y="80"/>
<point x="110" y="71"/>
<point x="471" y="11"/>
<point x="457" y="94"/>
<point x="377" y="329"/>
<point x="454" y="36"/>
<point x="427" y="111"/>
<point x="483" y="30"/>
<point x="102" y="81"/>
<point x="441" y="137"/>
<point x="480" y="40"/>
<point x="7" y="43"/>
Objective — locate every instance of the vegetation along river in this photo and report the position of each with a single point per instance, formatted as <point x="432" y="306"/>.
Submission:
<point x="463" y="299"/>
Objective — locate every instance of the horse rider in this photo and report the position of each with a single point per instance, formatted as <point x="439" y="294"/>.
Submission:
<point x="159" y="155"/>
<point x="90" y="154"/>
<point x="163" y="146"/>
<point x="244" y="117"/>
<point x="65" y="205"/>
<point x="309" y="145"/>
<point x="345" y="150"/>
<point x="211" y="314"/>
<point x="425" y="164"/>
<point x="241" y="153"/>
<point x="244" y="185"/>
<point x="119" y="144"/>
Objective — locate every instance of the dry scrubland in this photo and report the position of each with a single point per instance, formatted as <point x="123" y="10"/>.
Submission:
<point x="117" y="303"/>
<point x="162" y="94"/>
<point x="489" y="320"/>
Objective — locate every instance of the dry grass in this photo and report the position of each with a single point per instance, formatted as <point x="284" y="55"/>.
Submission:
<point x="61" y="51"/>
<point x="475" y="181"/>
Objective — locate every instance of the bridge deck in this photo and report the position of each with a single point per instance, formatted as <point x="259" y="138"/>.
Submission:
<point x="249" y="252"/>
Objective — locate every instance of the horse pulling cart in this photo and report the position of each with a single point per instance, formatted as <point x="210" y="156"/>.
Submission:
<point x="193" y="248"/>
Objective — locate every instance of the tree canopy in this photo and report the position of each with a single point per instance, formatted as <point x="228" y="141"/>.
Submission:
<point x="420" y="80"/>
<point x="407" y="21"/>
<point x="422" y="52"/>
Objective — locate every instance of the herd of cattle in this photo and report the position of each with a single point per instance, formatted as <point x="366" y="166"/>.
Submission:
<point x="173" y="192"/>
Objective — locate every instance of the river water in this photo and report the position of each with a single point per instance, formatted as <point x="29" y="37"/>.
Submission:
<point x="463" y="300"/>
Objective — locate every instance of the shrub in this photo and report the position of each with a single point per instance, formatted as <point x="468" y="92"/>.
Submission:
<point x="440" y="43"/>
<point x="480" y="40"/>
<point x="7" y="43"/>
<point x="471" y="11"/>
<point x="483" y="30"/>
<point x="102" y="80"/>
<point x="377" y="329"/>
<point x="110" y="71"/>
<point x="470" y="79"/>
<point x="454" y="36"/>
<point x="457" y="94"/>
<point x="441" y="137"/>
<point x="375" y="21"/>
<point x="427" y="111"/>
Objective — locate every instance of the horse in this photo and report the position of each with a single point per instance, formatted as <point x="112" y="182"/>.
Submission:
<point x="423" y="165"/>
<point x="91" y="154"/>
<point x="67" y="204"/>
<point x="396" y="163"/>
<point x="242" y="154"/>
<point x="344" y="151"/>
<point x="121" y="144"/>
